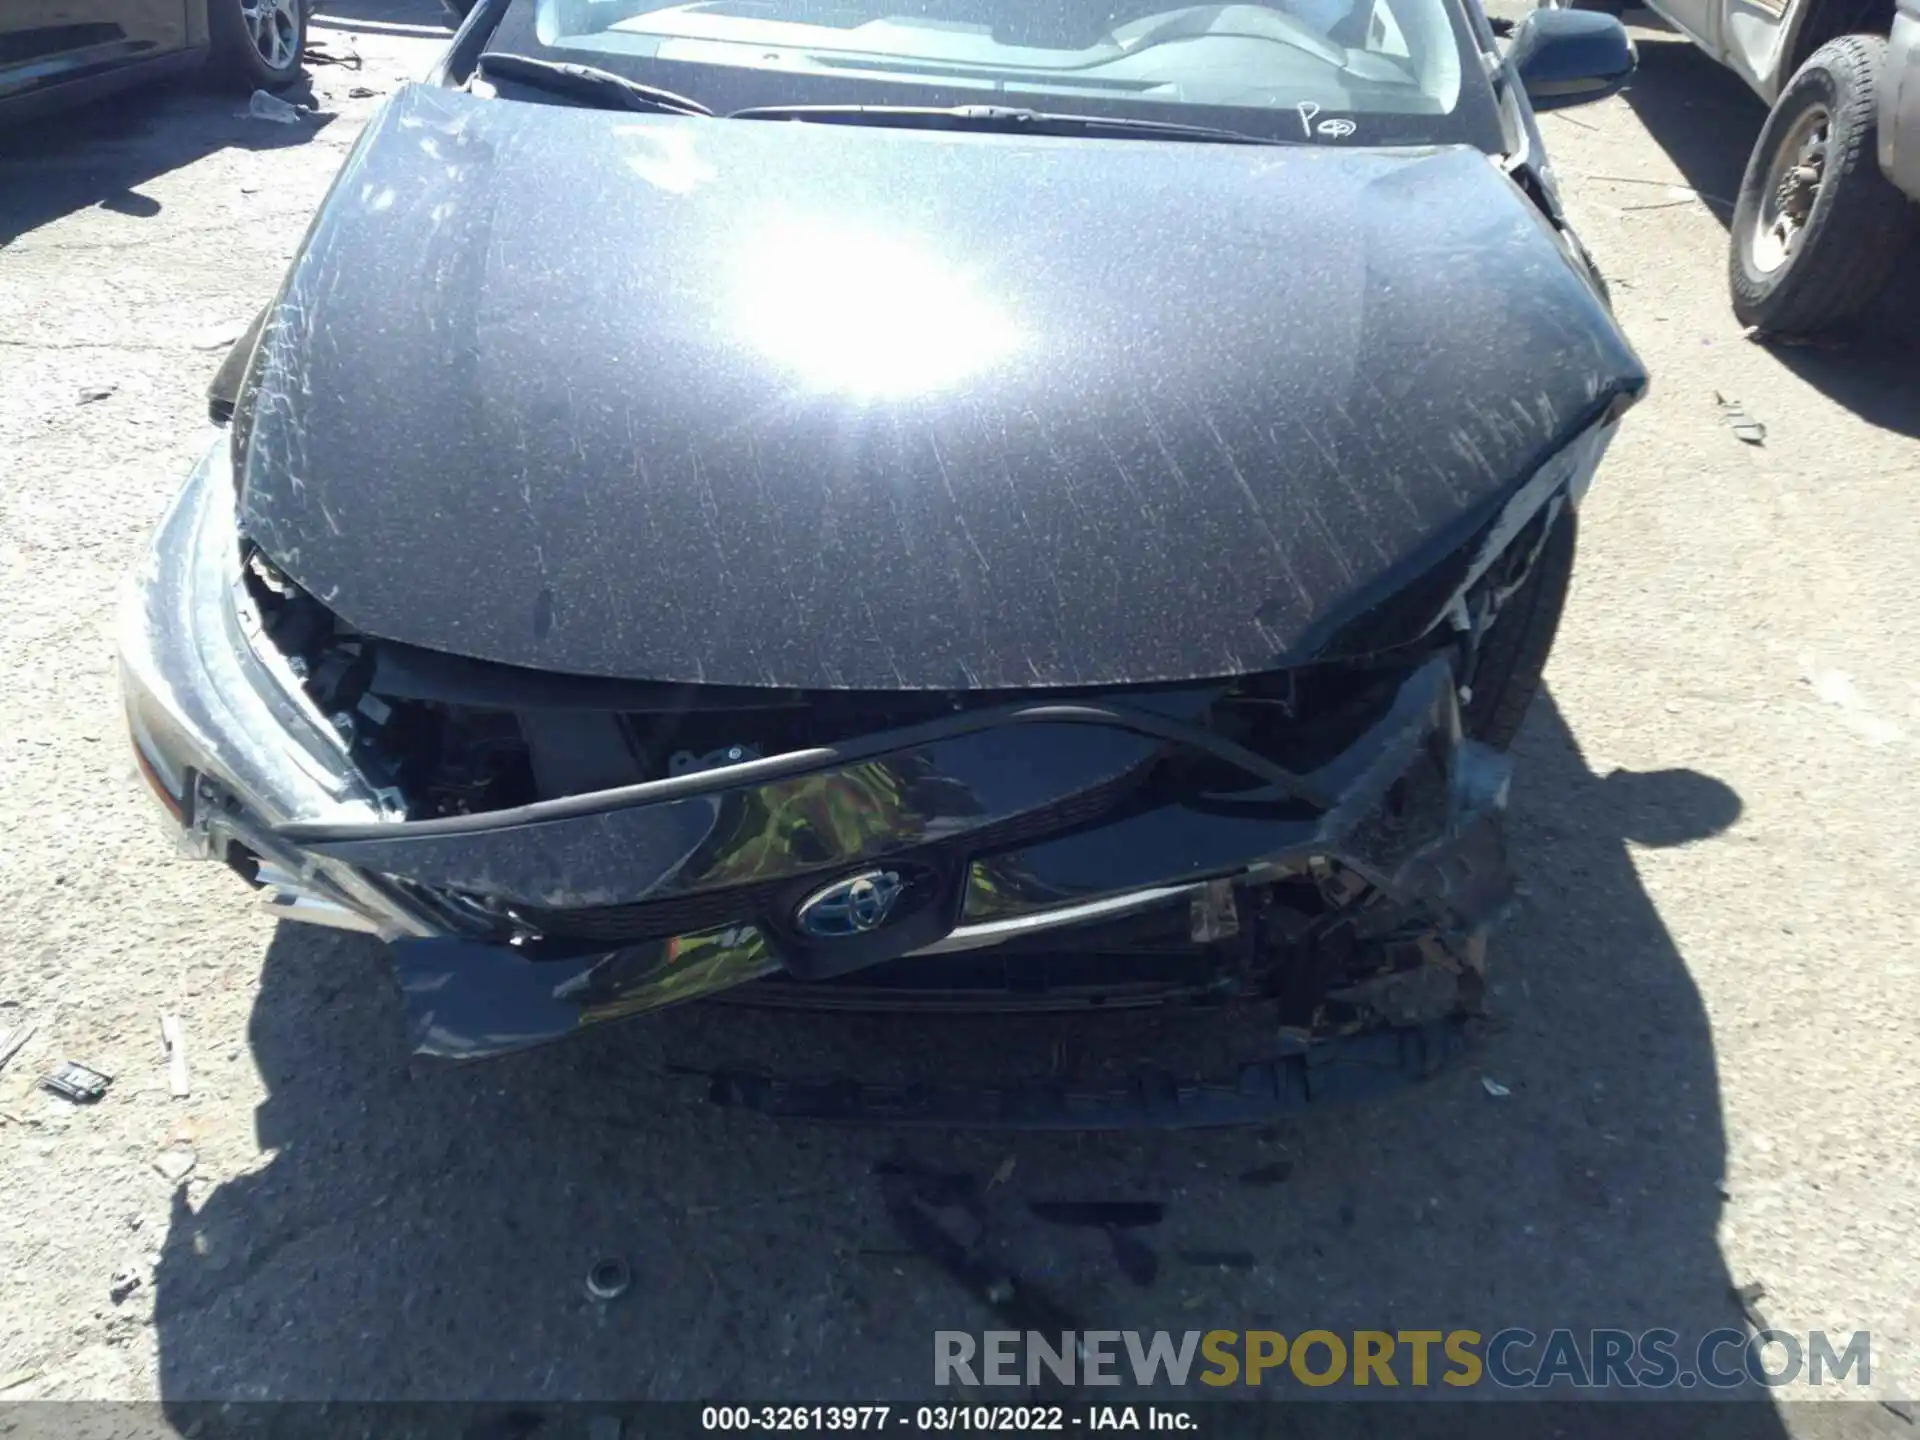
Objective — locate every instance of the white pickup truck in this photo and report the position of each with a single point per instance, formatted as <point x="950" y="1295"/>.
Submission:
<point x="1827" y="208"/>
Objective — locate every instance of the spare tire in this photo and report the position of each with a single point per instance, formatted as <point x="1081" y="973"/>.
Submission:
<point x="1817" y="229"/>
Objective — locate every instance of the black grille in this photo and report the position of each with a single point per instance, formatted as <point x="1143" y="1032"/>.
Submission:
<point x="711" y="909"/>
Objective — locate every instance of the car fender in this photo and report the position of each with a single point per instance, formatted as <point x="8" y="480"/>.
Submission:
<point x="1900" y="101"/>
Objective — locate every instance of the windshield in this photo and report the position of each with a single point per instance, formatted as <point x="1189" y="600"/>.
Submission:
<point x="1319" y="71"/>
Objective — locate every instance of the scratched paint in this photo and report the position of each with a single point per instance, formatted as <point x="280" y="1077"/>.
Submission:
<point x="1233" y="389"/>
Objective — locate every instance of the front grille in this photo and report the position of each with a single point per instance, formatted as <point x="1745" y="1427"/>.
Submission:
<point x="769" y="899"/>
<point x="1065" y="979"/>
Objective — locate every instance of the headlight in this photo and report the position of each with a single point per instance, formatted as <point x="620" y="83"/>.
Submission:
<point x="199" y="700"/>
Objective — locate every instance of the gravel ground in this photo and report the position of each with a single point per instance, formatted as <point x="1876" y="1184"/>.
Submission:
<point x="1709" y="993"/>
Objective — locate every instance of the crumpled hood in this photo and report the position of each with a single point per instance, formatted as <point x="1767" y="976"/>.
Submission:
<point x="760" y="403"/>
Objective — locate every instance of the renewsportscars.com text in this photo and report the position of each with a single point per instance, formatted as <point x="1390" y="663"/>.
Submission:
<point x="1513" y="1358"/>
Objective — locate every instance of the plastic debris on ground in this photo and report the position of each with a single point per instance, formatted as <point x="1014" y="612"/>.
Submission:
<point x="123" y="1284"/>
<point x="71" y="1080"/>
<point x="173" y="1034"/>
<point x="271" y="107"/>
<point x="1494" y="1088"/>
<point x="1743" y="425"/>
<point x="91" y="393"/>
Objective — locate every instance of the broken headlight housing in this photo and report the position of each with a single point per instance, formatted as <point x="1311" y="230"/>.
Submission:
<point x="1412" y="609"/>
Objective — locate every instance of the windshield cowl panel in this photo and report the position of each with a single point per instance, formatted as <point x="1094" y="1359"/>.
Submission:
<point x="1332" y="72"/>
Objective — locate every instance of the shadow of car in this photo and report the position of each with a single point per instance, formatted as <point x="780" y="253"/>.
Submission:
<point x="58" y="164"/>
<point x="456" y="1211"/>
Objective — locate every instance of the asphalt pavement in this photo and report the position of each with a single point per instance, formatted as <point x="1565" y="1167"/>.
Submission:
<point x="1706" y="1064"/>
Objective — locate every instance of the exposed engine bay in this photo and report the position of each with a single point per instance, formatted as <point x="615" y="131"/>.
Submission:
<point x="1338" y="948"/>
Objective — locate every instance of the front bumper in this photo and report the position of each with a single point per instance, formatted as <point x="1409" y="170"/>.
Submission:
<point x="1004" y="831"/>
<point x="230" y="748"/>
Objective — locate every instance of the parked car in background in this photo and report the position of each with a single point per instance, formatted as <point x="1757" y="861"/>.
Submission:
<point x="55" y="53"/>
<point x="716" y="507"/>
<point x="1830" y="202"/>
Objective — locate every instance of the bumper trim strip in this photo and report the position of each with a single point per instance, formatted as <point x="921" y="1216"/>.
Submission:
<point x="826" y="757"/>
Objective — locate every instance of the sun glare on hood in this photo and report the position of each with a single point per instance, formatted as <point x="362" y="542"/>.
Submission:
<point x="869" y="315"/>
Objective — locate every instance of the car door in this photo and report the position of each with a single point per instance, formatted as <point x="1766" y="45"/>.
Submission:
<point x="48" y="42"/>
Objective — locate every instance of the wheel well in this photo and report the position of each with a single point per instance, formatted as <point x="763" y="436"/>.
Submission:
<point x="1829" y="19"/>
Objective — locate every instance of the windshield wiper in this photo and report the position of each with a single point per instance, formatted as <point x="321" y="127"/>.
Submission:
<point x="1003" y="119"/>
<point x="586" y="82"/>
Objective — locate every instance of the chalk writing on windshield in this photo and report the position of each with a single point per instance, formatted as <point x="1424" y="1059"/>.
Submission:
<point x="1336" y="128"/>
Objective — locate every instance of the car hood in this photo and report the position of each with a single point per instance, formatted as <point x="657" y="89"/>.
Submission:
<point x="760" y="403"/>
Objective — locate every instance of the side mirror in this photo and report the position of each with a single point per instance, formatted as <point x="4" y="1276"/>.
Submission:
<point x="1568" y="57"/>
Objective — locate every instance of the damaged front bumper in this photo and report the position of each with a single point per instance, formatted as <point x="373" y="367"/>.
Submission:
<point x="1355" y="903"/>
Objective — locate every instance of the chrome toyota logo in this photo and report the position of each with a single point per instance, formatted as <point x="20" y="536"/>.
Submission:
<point x="852" y="906"/>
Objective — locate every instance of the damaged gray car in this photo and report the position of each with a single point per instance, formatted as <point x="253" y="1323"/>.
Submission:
<point x="907" y="505"/>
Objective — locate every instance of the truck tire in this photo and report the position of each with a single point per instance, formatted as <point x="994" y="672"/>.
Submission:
<point x="1817" y="229"/>
<point x="1513" y="653"/>
<point x="256" y="44"/>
